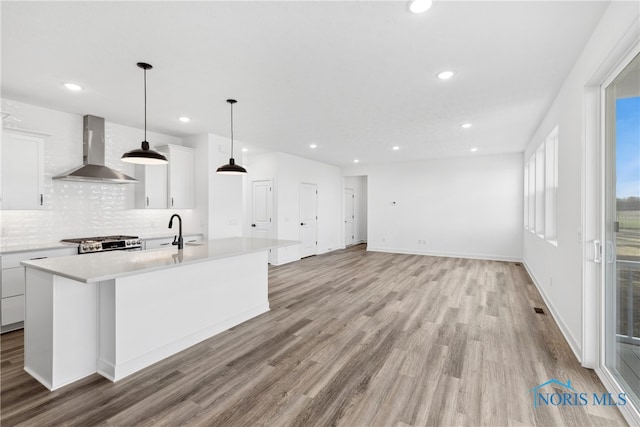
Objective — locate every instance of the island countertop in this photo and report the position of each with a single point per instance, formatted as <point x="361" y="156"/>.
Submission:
<point x="89" y="268"/>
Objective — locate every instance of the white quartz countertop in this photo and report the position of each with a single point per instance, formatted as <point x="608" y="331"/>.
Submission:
<point x="96" y="267"/>
<point x="27" y="247"/>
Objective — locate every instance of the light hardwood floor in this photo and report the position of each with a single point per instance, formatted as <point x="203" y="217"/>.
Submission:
<point x="353" y="338"/>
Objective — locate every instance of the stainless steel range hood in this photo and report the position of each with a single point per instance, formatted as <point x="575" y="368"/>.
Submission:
<point x="93" y="168"/>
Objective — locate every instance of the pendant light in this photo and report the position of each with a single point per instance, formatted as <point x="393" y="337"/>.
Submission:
<point x="231" y="168"/>
<point x="144" y="155"/>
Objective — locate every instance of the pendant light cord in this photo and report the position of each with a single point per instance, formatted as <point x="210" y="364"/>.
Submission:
<point x="145" y="104"/>
<point x="231" y="130"/>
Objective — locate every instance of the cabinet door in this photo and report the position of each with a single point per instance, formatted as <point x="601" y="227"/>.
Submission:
<point x="181" y="178"/>
<point x="22" y="170"/>
<point x="152" y="191"/>
<point x="12" y="310"/>
<point x="12" y="282"/>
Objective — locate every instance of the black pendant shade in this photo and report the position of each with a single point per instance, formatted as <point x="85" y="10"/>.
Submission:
<point x="144" y="155"/>
<point x="231" y="168"/>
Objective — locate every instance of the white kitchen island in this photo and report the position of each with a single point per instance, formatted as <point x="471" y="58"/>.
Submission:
<point x="118" y="312"/>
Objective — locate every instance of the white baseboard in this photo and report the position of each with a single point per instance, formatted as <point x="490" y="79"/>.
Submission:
<point x="575" y="346"/>
<point x="41" y="380"/>
<point x="446" y="254"/>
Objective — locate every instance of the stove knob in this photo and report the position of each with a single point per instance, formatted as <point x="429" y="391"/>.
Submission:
<point x="85" y="248"/>
<point x="127" y="243"/>
<point x="138" y="242"/>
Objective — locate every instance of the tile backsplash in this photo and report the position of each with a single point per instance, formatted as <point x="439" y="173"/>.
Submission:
<point x="78" y="209"/>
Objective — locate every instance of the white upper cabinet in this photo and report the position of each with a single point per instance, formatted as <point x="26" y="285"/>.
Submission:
<point x="181" y="176"/>
<point x="22" y="169"/>
<point x="152" y="190"/>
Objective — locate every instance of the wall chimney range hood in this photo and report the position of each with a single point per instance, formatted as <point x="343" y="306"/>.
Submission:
<point x="93" y="168"/>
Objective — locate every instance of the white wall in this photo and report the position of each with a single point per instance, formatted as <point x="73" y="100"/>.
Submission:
<point x="557" y="270"/>
<point x="359" y="186"/>
<point x="466" y="207"/>
<point x="76" y="209"/>
<point x="219" y="198"/>
<point x="287" y="172"/>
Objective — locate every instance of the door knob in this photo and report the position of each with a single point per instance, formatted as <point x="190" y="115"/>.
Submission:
<point x="253" y="225"/>
<point x="302" y="223"/>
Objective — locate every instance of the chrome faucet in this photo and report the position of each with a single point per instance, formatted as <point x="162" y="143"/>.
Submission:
<point x="177" y="240"/>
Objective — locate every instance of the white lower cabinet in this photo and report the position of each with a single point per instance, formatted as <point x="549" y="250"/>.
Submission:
<point x="12" y="310"/>
<point x="12" y="284"/>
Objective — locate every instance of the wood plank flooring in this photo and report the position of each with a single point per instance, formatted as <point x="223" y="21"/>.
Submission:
<point x="353" y="338"/>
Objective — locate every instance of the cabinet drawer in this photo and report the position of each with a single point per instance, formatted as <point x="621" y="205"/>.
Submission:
<point x="158" y="243"/>
<point x="12" y="282"/>
<point x="13" y="259"/>
<point x="12" y="310"/>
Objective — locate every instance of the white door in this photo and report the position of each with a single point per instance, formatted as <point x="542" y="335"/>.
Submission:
<point x="261" y="209"/>
<point x="349" y="217"/>
<point x="308" y="219"/>
<point x="621" y="243"/>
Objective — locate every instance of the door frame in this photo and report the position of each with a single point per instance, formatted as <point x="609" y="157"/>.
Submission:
<point x="593" y="214"/>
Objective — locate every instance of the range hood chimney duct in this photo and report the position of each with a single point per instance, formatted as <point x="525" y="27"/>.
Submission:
<point x="93" y="168"/>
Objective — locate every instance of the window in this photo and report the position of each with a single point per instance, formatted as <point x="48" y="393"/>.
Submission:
<point x="551" y="184"/>
<point x="541" y="189"/>
<point x="532" y="194"/>
<point x="526" y="196"/>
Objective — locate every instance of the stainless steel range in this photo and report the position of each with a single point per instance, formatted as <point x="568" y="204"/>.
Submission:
<point x="105" y="243"/>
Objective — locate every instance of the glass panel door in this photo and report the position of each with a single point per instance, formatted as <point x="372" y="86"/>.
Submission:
<point x="622" y="229"/>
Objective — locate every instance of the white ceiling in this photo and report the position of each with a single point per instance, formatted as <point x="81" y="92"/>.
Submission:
<point x="353" y="77"/>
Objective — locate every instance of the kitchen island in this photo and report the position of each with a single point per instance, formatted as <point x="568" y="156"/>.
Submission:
<point x="115" y="313"/>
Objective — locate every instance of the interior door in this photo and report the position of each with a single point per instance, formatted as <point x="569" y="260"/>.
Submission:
<point x="349" y="217"/>
<point x="621" y="248"/>
<point x="308" y="219"/>
<point x="261" y="209"/>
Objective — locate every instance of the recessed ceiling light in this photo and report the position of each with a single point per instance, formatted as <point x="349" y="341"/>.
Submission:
<point x="420" y="6"/>
<point x="312" y="146"/>
<point x="445" y="75"/>
<point x="473" y="150"/>
<point x="466" y="125"/>
<point x="72" y="86"/>
<point x="184" y="119"/>
<point x="244" y="150"/>
<point x="395" y="148"/>
<point x="356" y="161"/>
